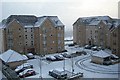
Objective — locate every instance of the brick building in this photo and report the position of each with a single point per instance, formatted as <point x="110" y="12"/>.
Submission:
<point x="99" y="30"/>
<point x="28" y="33"/>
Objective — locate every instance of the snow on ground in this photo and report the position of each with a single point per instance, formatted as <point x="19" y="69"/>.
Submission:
<point x="89" y="72"/>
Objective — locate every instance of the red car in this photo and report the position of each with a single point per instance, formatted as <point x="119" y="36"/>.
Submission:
<point x="26" y="73"/>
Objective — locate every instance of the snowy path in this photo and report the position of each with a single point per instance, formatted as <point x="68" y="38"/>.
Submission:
<point x="85" y="64"/>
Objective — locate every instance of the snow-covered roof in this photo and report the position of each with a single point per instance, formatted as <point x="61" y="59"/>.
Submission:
<point x="102" y="54"/>
<point x="28" y="26"/>
<point x="40" y="21"/>
<point x="55" y="20"/>
<point x="116" y="22"/>
<point x="12" y="56"/>
<point x="95" y="20"/>
<point x="94" y="23"/>
<point x="30" y="54"/>
<point x="1" y="25"/>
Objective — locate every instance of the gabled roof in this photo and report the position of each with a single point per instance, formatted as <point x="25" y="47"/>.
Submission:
<point x="40" y="21"/>
<point x="12" y="56"/>
<point x="94" y="23"/>
<point x="102" y="54"/>
<point x="24" y="20"/>
<point x="54" y="19"/>
<point x="93" y="20"/>
<point x="2" y="24"/>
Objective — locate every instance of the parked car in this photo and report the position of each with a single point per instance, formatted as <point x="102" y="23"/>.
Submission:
<point x="94" y="48"/>
<point x="100" y="48"/>
<point x="64" y="51"/>
<point x="87" y="47"/>
<point x="66" y="55"/>
<point x="59" y="57"/>
<point x="26" y="73"/>
<point x="71" y="45"/>
<point x="51" y="58"/>
<point x="58" y="74"/>
<point x="81" y="52"/>
<point x="30" y="56"/>
<point x="23" y="67"/>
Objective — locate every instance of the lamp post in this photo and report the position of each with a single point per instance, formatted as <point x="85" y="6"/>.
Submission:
<point x="40" y="67"/>
<point x="64" y="65"/>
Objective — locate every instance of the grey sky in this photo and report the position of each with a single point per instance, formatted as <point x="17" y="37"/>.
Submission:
<point x="67" y="10"/>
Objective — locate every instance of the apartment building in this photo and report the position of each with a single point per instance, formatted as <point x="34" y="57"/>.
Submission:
<point x="115" y="37"/>
<point x="51" y="35"/>
<point x="1" y="38"/>
<point x="98" y="30"/>
<point x="31" y="34"/>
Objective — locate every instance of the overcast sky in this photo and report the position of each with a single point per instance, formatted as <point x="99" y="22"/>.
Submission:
<point x="68" y="11"/>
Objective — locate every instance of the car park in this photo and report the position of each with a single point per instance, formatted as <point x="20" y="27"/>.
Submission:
<point x="50" y="58"/>
<point x="58" y="74"/>
<point x="26" y="73"/>
<point x="23" y="67"/>
<point x="59" y="57"/>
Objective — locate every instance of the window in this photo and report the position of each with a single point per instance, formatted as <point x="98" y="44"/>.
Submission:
<point x="91" y="32"/>
<point x="59" y="35"/>
<point x="51" y="35"/>
<point x="26" y="36"/>
<point x="59" y="47"/>
<point x="53" y="41"/>
<point x="95" y="36"/>
<point x="20" y="43"/>
<point x="114" y="43"/>
<point x="31" y="42"/>
<point x="114" y="35"/>
<point x="44" y="42"/>
<point x="96" y="31"/>
<point x="31" y="30"/>
<point x="44" y="30"/>
<point x="60" y="28"/>
<point x="31" y="36"/>
<point x="19" y="36"/>
<point x="25" y="29"/>
<point x="59" y="41"/>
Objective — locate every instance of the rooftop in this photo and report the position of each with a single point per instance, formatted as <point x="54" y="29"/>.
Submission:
<point x="102" y="54"/>
<point x="12" y="56"/>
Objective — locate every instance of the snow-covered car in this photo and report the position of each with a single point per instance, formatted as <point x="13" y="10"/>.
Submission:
<point x="66" y="55"/>
<point x="51" y="58"/>
<point x="87" y="47"/>
<point x="81" y="52"/>
<point x="30" y="56"/>
<point x="58" y="74"/>
<point x="23" y="67"/>
<point x="59" y="57"/>
<point x="26" y="73"/>
<point x="100" y="48"/>
<point x="70" y="45"/>
<point x="94" y="48"/>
